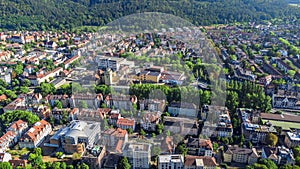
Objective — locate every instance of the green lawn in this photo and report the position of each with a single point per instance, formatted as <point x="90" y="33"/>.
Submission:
<point x="284" y="125"/>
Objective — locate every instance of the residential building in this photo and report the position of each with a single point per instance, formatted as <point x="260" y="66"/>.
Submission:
<point x="152" y="105"/>
<point x="180" y="125"/>
<point x="8" y="140"/>
<point x="183" y="109"/>
<point x="125" y="123"/>
<point x="199" y="147"/>
<point x="13" y="134"/>
<point x="167" y="146"/>
<point x="15" y="163"/>
<point x="76" y="135"/>
<point x="200" y="162"/>
<point x="114" y="139"/>
<point x="150" y="120"/>
<point x="138" y="155"/>
<point x="292" y="139"/>
<point x="174" y="161"/>
<point x="240" y="155"/>
<point x="19" y="127"/>
<point x="5" y="157"/>
<point x="224" y="127"/>
<point x="92" y="101"/>
<point x="35" y="135"/>
<point x="94" y="156"/>
<point x="257" y="133"/>
<point x="113" y="63"/>
<point x="279" y="155"/>
<point x="17" y="104"/>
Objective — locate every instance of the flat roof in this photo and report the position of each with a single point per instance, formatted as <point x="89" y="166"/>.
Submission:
<point x="280" y="117"/>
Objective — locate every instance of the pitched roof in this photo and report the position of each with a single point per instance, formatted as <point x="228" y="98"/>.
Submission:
<point x="125" y="122"/>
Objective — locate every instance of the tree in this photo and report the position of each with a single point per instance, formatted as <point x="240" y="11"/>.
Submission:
<point x="82" y="104"/>
<point x="291" y="73"/>
<point x="129" y="130"/>
<point x="123" y="163"/>
<point x="182" y="149"/>
<point x="59" y="154"/>
<point x="142" y="133"/>
<point x="58" y="104"/>
<point x="76" y="156"/>
<point x="271" y="139"/>
<point x="5" y="165"/>
<point x="19" y="69"/>
<point x="159" y="128"/>
<point x="47" y="88"/>
<point x="215" y="146"/>
<point x="155" y="151"/>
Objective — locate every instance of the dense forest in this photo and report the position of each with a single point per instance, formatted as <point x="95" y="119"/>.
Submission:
<point x="68" y="14"/>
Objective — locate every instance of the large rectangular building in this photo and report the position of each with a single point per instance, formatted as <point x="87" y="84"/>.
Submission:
<point x="138" y="154"/>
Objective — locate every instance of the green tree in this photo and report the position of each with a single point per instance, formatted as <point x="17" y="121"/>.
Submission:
<point x="82" y="104"/>
<point x="124" y="164"/>
<point x="129" y="130"/>
<point x="47" y="88"/>
<point x="58" y="104"/>
<point x="271" y="139"/>
<point x="142" y="133"/>
<point x="155" y="151"/>
<point x="5" y="165"/>
<point x="182" y="149"/>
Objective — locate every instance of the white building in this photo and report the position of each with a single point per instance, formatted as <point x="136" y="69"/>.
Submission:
<point x="292" y="139"/>
<point x="170" y="161"/>
<point x="138" y="154"/>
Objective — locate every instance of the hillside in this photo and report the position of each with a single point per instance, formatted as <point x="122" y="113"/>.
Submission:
<point x="66" y="14"/>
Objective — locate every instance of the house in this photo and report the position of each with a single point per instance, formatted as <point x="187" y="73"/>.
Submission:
<point x="257" y="133"/>
<point x="224" y="126"/>
<point x="8" y="140"/>
<point x="19" y="127"/>
<point x="152" y="105"/>
<point x="240" y="155"/>
<point x="35" y="135"/>
<point x="113" y="117"/>
<point x="279" y="155"/>
<point x="150" y="120"/>
<point x="266" y="80"/>
<point x="292" y="139"/>
<point x="75" y="135"/>
<point x="17" y="104"/>
<point x="183" y="109"/>
<point x="113" y="137"/>
<point x="174" y="161"/>
<point x="181" y="125"/>
<point x="125" y="123"/>
<point x="50" y="45"/>
<point x="199" y="147"/>
<point x="15" y="163"/>
<point x="285" y="101"/>
<point x="68" y="62"/>
<point x="167" y="146"/>
<point x="91" y="100"/>
<point x="13" y="134"/>
<point x="196" y="162"/>
<point x="124" y="102"/>
<point x="94" y="156"/>
<point x="5" y="157"/>
<point x="138" y="155"/>
<point x="92" y="115"/>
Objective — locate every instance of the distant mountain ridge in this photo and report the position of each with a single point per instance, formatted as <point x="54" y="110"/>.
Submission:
<point x="66" y="14"/>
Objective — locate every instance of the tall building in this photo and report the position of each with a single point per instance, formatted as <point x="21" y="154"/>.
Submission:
<point x="138" y="154"/>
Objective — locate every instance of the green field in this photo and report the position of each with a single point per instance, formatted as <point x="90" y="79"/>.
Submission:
<point x="284" y="125"/>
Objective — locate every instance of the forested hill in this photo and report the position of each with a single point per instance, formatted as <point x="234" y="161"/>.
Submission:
<point x="65" y="14"/>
